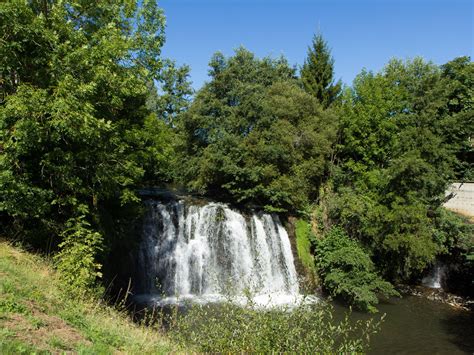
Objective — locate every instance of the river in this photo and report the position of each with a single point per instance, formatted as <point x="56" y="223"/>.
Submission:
<point x="416" y="325"/>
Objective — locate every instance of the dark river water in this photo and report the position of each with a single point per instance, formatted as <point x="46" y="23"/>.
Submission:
<point x="415" y="325"/>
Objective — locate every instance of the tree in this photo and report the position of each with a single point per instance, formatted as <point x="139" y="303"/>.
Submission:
<point x="348" y="272"/>
<point x="401" y="138"/>
<point x="317" y="73"/>
<point x="74" y="126"/>
<point x="172" y="95"/>
<point x="458" y="127"/>
<point x="253" y="136"/>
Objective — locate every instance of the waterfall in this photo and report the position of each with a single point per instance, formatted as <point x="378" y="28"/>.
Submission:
<point x="436" y="277"/>
<point x="208" y="252"/>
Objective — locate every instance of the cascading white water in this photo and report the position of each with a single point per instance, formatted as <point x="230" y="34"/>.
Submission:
<point x="210" y="251"/>
<point x="436" y="277"/>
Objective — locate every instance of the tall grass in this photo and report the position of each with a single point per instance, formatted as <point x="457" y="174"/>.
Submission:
<point x="307" y="328"/>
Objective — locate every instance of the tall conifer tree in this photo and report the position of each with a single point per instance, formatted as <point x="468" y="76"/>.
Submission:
<point x="317" y="73"/>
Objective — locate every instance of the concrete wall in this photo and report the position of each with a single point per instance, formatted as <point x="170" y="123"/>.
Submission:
<point x="463" y="199"/>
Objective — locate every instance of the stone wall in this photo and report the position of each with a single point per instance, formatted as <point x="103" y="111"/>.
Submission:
<point x="462" y="200"/>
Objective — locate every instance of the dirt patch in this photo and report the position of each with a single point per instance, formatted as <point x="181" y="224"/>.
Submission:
<point x="43" y="331"/>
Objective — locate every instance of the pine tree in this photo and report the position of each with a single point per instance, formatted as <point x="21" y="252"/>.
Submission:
<point x="317" y="73"/>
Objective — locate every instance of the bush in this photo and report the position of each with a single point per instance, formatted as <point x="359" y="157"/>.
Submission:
<point x="309" y="329"/>
<point x="348" y="272"/>
<point x="455" y="235"/>
<point x="76" y="260"/>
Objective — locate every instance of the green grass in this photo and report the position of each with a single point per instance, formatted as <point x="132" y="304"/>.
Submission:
<point x="37" y="316"/>
<point x="303" y="244"/>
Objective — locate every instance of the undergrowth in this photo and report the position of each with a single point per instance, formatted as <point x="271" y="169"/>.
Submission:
<point x="348" y="272"/>
<point x="38" y="316"/>
<point x="304" y="329"/>
<point x="303" y="243"/>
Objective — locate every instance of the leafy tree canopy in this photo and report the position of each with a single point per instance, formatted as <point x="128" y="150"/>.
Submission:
<point x="402" y="133"/>
<point x="74" y="126"/>
<point x="254" y="136"/>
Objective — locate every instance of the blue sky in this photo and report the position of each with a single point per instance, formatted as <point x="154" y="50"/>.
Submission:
<point x="361" y="34"/>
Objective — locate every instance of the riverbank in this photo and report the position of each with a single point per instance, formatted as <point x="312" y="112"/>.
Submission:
<point x="36" y="316"/>
<point x="438" y="295"/>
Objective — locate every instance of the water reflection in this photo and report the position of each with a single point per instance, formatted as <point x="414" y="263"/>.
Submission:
<point x="415" y="325"/>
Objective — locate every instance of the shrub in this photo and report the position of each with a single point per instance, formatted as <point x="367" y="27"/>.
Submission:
<point x="348" y="272"/>
<point x="455" y="235"/>
<point x="76" y="260"/>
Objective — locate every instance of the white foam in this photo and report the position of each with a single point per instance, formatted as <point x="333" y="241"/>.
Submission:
<point x="261" y="301"/>
<point x="204" y="253"/>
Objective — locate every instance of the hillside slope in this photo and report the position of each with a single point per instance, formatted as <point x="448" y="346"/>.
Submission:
<point x="37" y="316"/>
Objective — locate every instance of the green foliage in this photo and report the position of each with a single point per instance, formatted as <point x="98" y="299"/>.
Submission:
<point x="348" y="272"/>
<point x="75" y="129"/>
<point x="10" y="346"/>
<point x="454" y="233"/>
<point x="228" y="328"/>
<point x="458" y="88"/>
<point x="399" y="236"/>
<point x="76" y="260"/>
<point x="9" y="305"/>
<point x="90" y="111"/>
<point x="403" y="134"/>
<point x="253" y="136"/>
<point x="155" y="150"/>
<point x="317" y="73"/>
<point x="303" y="243"/>
<point x="175" y="92"/>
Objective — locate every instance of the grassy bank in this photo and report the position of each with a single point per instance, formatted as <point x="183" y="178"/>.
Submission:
<point x="37" y="316"/>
